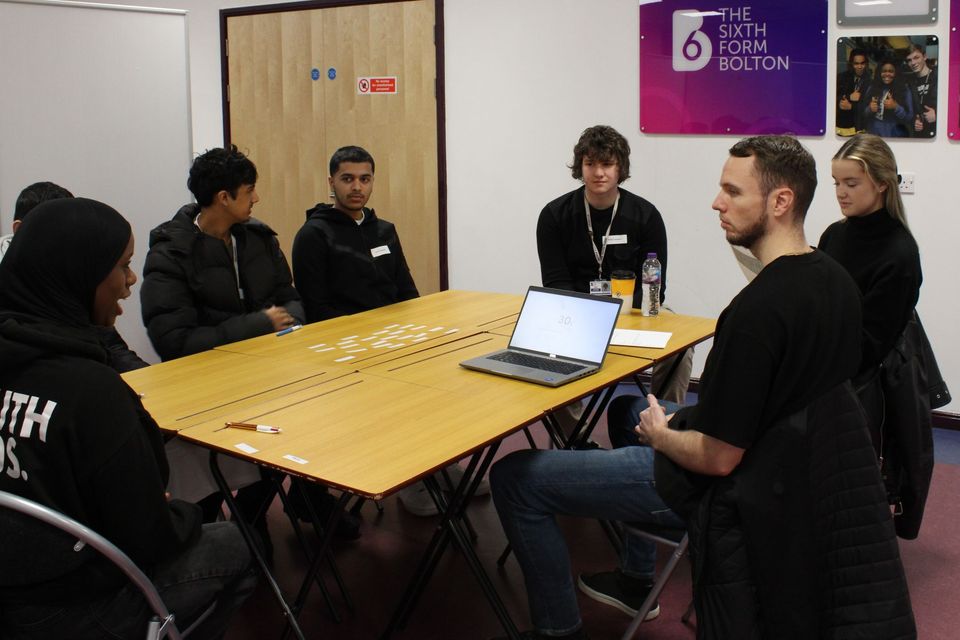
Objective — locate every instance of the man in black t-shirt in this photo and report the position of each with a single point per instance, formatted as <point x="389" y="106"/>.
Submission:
<point x="788" y="337"/>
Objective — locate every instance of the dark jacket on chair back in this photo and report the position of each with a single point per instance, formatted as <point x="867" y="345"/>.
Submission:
<point x="799" y="542"/>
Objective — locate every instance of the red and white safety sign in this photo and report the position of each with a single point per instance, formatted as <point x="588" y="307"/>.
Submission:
<point x="381" y="84"/>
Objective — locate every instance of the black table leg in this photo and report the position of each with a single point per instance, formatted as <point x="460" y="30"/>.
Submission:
<point x="248" y="536"/>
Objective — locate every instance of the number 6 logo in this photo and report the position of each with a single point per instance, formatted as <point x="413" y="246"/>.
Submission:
<point x="692" y="48"/>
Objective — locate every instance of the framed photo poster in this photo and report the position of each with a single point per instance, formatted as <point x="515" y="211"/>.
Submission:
<point x="872" y="13"/>
<point x="887" y="85"/>
<point x="756" y="68"/>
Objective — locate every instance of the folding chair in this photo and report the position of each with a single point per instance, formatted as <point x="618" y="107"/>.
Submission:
<point x="161" y="625"/>
<point x="671" y="537"/>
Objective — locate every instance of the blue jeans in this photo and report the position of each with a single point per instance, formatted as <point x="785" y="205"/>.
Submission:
<point x="216" y="567"/>
<point x="623" y="415"/>
<point x="530" y="488"/>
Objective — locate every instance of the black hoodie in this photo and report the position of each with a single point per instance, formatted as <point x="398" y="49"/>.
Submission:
<point x="73" y="435"/>
<point x="341" y="267"/>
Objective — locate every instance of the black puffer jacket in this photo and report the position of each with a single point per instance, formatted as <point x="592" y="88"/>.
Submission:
<point x="898" y="397"/>
<point x="189" y="297"/>
<point x="798" y="542"/>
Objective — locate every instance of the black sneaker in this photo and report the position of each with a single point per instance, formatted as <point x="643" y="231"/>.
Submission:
<point x="618" y="590"/>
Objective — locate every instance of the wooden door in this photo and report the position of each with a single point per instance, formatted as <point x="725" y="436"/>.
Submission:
<point x="292" y="99"/>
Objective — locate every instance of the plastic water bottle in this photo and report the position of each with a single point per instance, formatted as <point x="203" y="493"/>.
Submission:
<point x="650" y="286"/>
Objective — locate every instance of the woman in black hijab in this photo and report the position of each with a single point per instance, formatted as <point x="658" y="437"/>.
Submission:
<point x="75" y="437"/>
<point x="58" y="259"/>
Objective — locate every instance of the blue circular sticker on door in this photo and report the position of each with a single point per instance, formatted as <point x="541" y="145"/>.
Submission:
<point x="332" y="73"/>
<point x="315" y="74"/>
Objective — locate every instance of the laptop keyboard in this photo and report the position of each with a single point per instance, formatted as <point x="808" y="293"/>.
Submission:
<point x="536" y="362"/>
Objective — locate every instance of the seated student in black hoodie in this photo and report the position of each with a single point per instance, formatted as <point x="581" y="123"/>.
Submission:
<point x="77" y="438"/>
<point x="346" y="259"/>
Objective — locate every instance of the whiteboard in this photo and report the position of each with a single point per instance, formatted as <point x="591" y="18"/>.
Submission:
<point x="96" y="98"/>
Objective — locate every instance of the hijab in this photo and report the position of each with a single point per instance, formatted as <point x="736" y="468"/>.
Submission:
<point x="59" y="256"/>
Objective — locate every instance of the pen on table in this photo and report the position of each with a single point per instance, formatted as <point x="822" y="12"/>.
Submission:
<point x="289" y="329"/>
<point x="259" y="428"/>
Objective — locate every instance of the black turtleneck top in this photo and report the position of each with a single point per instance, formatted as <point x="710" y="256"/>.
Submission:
<point x="882" y="256"/>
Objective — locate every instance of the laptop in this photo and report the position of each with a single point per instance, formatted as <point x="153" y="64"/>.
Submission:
<point x="560" y="336"/>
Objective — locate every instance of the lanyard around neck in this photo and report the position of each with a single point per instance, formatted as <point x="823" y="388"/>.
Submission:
<point x="599" y="253"/>
<point x="236" y="264"/>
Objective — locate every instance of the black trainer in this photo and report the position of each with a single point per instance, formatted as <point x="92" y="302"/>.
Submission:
<point x="618" y="590"/>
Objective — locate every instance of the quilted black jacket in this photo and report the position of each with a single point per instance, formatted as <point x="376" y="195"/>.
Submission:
<point x="799" y="541"/>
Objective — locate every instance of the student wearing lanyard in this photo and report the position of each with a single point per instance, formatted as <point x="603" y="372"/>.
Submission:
<point x="585" y="235"/>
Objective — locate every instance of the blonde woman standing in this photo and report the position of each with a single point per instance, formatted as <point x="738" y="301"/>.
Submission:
<point x="873" y="242"/>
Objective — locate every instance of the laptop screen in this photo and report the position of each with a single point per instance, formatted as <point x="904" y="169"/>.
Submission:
<point x="565" y="324"/>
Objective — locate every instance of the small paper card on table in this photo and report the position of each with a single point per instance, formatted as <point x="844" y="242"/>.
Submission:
<point x="637" y="338"/>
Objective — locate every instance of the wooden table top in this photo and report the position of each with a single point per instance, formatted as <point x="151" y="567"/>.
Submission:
<point x="360" y="337"/>
<point x="686" y="331"/>
<point x="383" y="417"/>
<point x="439" y="368"/>
<point x="364" y="433"/>
<point x="180" y="392"/>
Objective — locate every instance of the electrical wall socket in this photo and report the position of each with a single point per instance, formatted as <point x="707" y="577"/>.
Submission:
<point x="908" y="183"/>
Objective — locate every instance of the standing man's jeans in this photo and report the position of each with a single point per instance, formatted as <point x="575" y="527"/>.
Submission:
<point x="531" y="487"/>
<point x="215" y="568"/>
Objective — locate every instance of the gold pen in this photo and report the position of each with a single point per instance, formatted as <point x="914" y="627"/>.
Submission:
<point x="259" y="428"/>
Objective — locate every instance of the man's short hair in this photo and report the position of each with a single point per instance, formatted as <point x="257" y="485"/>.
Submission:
<point x="36" y="193"/>
<point x="601" y="144"/>
<point x="220" y="170"/>
<point x="781" y="161"/>
<point x="350" y="154"/>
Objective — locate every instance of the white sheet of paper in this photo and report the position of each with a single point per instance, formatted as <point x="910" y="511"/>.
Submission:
<point x="636" y="338"/>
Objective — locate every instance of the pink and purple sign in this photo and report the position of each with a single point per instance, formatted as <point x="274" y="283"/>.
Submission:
<point x="953" y="94"/>
<point x="710" y="68"/>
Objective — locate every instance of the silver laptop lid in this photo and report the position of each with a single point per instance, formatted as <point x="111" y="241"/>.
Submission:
<point x="566" y="324"/>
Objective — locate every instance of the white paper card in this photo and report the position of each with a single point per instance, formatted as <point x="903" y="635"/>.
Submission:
<point x="636" y="338"/>
<point x="243" y="446"/>
<point x="382" y="250"/>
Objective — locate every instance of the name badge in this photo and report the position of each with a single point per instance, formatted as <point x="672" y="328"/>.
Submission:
<point x="382" y="250"/>
<point x="617" y="239"/>
<point x="600" y="287"/>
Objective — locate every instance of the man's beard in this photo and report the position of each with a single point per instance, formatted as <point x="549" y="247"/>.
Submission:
<point x="749" y="236"/>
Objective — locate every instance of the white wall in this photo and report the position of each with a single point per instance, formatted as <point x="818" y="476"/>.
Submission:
<point x="524" y="78"/>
